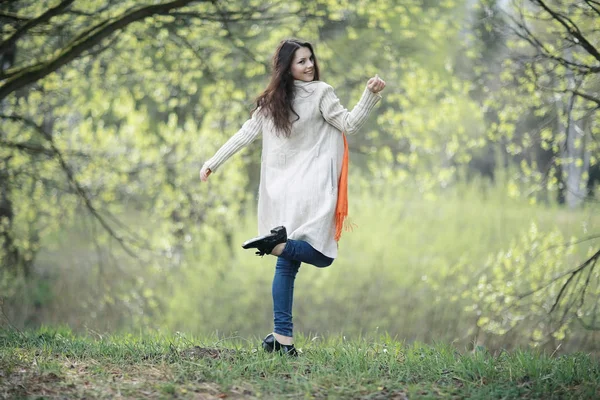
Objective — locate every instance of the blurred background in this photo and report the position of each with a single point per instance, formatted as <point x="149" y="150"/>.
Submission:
<point x="473" y="186"/>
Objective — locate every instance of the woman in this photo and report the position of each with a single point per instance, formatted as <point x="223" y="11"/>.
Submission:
<point x="302" y="195"/>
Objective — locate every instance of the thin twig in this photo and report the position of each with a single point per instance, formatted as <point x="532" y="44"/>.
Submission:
<point x="590" y="261"/>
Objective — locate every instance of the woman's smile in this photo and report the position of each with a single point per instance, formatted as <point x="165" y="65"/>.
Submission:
<point x="302" y="67"/>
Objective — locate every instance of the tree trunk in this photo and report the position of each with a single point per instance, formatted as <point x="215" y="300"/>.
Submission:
<point x="575" y="157"/>
<point x="9" y="253"/>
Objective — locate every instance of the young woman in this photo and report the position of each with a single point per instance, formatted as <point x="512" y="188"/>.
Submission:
<point x="302" y="195"/>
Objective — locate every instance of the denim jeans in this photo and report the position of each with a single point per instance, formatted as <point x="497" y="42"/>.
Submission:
<point x="288" y="263"/>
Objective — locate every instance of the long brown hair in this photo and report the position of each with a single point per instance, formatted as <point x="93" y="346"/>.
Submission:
<point x="276" y="100"/>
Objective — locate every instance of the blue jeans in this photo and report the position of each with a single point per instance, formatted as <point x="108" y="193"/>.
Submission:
<point x="288" y="263"/>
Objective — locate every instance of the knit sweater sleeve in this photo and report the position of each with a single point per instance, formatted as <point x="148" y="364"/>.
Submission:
<point x="246" y="135"/>
<point x="338" y="116"/>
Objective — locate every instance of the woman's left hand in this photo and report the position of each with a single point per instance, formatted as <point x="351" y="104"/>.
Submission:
<point x="376" y="84"/>
<point x="204" y="174"/>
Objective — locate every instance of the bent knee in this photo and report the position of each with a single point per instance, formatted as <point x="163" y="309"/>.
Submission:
<point x="324" y="263"/>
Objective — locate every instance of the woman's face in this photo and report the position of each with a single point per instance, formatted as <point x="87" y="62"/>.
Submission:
<point x="303" y="65"/>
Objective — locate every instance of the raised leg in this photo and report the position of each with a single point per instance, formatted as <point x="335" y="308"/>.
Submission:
<point x="299" y="250"/>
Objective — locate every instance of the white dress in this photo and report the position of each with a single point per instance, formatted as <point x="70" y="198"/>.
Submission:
<point x="299" y="174"/>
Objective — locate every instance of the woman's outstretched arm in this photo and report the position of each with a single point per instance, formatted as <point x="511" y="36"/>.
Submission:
<point x="246" y="135"/>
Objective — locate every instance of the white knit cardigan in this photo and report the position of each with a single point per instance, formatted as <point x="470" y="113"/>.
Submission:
<point x="299" y="174"/>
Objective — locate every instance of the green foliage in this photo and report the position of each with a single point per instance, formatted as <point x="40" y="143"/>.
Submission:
<point x="545" y="104"/>
<point x="126" y="126"/>
<point x="520" y="286"/>
<point x="412" y="267"/>
<point x="108" y="226"/>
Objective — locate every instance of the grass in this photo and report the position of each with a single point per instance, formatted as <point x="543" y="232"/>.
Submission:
<point x="57" y="363"/>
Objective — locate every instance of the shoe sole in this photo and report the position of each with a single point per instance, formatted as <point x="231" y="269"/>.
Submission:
<point x="247" y="243"/>
<point x="275" y="231"/>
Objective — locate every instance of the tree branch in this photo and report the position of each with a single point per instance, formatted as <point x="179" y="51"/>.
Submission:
<point x="45" y="17"/>
<point x="37" y="149"/>
<point x="521" y="30"/>
<point x="26" y="147"/>
<point x="529" y="37"/>
<point x="93" y="13"/>
<point x="13" y="17"/>
<point x="81" y="192"/>
<point x="591" y="3"/>
<point x="233" y="17"/>
<point x="586" y="96"/>
<point x="590" y="261"/>
<point x="572" y="28"/>
<point x="232" y="40"/>
<point x="568" y="244"/>
<point x="84" y="43"/>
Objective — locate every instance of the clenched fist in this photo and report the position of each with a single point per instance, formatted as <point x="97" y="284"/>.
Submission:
<point x="376" y="84"/>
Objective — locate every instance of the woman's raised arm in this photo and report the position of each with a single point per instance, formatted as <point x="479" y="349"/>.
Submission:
<point x="351" y="121"/>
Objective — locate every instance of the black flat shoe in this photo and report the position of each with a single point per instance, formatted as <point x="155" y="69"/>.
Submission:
<point x="270" y="344"/>
<point x="266" y="244"/>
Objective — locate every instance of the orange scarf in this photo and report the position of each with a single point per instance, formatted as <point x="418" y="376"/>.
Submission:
<point x="341" y="208"/>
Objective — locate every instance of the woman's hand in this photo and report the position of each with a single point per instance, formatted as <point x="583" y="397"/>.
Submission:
<point x="205" y="173"/>
<point x="376" y="84"/>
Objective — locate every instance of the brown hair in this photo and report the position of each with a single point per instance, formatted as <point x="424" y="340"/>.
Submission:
<point x="276" y="100"/>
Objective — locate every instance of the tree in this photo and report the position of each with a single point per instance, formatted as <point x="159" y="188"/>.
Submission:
<point x="110" y="107"/>
<point x="547" y="111"/>
<point x="556" y="52"/>
<point x="81" y="128"/>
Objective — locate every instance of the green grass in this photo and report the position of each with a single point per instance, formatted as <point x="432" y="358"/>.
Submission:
<point x="56" y="362"/>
